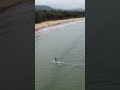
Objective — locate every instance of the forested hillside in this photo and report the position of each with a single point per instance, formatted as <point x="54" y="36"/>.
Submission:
<point x="45" y="15"/>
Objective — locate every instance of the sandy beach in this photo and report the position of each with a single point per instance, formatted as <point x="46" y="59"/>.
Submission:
<point x="39" y="26"/>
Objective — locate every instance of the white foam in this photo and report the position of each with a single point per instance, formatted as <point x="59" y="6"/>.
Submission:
<point x="56" y="62"/>
<point x="51" y="28"/>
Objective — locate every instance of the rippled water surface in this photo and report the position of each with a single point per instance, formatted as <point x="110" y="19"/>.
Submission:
<point x="68" y="45"/>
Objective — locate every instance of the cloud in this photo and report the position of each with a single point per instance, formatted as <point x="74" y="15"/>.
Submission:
<point x="66" y="4"/>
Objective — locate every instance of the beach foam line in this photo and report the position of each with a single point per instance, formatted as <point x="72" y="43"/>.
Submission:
<point x="45" y="24"/>
<point x="52" y="28"/>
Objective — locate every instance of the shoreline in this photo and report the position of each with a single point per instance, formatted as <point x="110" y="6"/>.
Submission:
<point x="45" y="30"/>
<point x="42" y="25"/>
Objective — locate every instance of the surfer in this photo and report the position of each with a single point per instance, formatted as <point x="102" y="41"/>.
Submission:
<point x="55" y="59"/>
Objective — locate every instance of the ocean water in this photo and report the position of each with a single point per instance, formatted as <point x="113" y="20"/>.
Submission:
<point x="67" y="43"/>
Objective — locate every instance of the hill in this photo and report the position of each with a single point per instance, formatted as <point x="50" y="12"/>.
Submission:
<point x="77" y="9"/>
<point x="43" y="7"/>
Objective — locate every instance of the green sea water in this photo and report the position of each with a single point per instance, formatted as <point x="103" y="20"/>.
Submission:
<point x="68" y="45"/>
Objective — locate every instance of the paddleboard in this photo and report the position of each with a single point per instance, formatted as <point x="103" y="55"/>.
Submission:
<point x="56" y="62"/>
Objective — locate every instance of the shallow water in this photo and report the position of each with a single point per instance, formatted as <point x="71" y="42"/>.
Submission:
<point x="68" y="45"/>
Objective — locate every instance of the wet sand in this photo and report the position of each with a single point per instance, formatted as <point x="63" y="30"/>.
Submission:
<point x="56" y="22"/>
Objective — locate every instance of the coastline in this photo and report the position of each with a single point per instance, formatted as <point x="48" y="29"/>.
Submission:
<point x="39" y="26"/>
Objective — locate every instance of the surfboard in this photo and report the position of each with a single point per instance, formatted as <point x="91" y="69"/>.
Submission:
<point x="56" y="62"/>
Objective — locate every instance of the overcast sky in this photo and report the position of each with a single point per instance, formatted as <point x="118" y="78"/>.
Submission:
<point x="62" y="4"/>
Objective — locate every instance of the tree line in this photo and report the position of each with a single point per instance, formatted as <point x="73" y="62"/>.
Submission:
<point x="43" y="15"/>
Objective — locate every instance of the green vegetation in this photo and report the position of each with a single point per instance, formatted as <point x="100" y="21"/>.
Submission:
<point x="43" y="15"/>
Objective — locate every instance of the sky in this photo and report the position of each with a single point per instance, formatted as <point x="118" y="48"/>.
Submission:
<point x="62" y="4"/>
